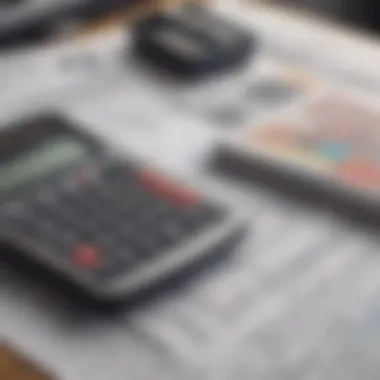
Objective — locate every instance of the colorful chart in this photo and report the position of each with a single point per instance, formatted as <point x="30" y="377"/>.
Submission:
<point x="338" y="136"/>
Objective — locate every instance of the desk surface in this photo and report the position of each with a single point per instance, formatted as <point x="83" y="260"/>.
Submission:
<point x="298" y="297"/>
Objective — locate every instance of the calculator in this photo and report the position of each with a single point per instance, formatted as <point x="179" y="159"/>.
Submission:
<point x="106" y="223"/>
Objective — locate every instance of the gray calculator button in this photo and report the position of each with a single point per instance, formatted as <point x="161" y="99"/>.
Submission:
<point x="12" y="210"/>
<point x="173" y="231"/>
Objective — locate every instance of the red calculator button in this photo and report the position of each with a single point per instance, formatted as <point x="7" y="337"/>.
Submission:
<point x="185" y="197"/>
<point x="167" y="189"/>
<point x="154" y="182"/>
<point x="86" y="256"/>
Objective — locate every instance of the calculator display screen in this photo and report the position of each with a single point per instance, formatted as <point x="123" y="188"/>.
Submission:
<point x="43" y="159"/>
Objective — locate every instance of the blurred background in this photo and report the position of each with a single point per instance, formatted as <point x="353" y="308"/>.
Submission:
<point x="364" y="14"/>
<point x="207" y="308"/>
<point x="31" y="20"/>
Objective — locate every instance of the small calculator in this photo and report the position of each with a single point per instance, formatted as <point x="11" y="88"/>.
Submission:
<point x="108" y="224"/>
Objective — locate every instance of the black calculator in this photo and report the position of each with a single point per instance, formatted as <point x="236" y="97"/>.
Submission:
<point x="106" y="223"/>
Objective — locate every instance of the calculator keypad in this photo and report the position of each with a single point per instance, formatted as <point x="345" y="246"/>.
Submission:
<point x="108" y="223"/>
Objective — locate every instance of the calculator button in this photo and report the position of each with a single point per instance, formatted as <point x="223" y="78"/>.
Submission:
<point x="198" y="216"/>
<point x="125" y="256"/>
<point x="117" y="170"/>
<point x="11" y="214"/>
<point x="155" y="182"/>
<point x="152" y="244"/>
<point x="64" y="219"/>
<point x="185" y="197"/>
<point x="167" y="189"/>
<point x="65" y="239"/>
<point x="83" y="177"/>
<point x="173" y="231"/>
<point x="86" y="256"/>
<point x="46" y="197"/>
<point x="148" y="219"/>
<point x="104" y="240"/>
